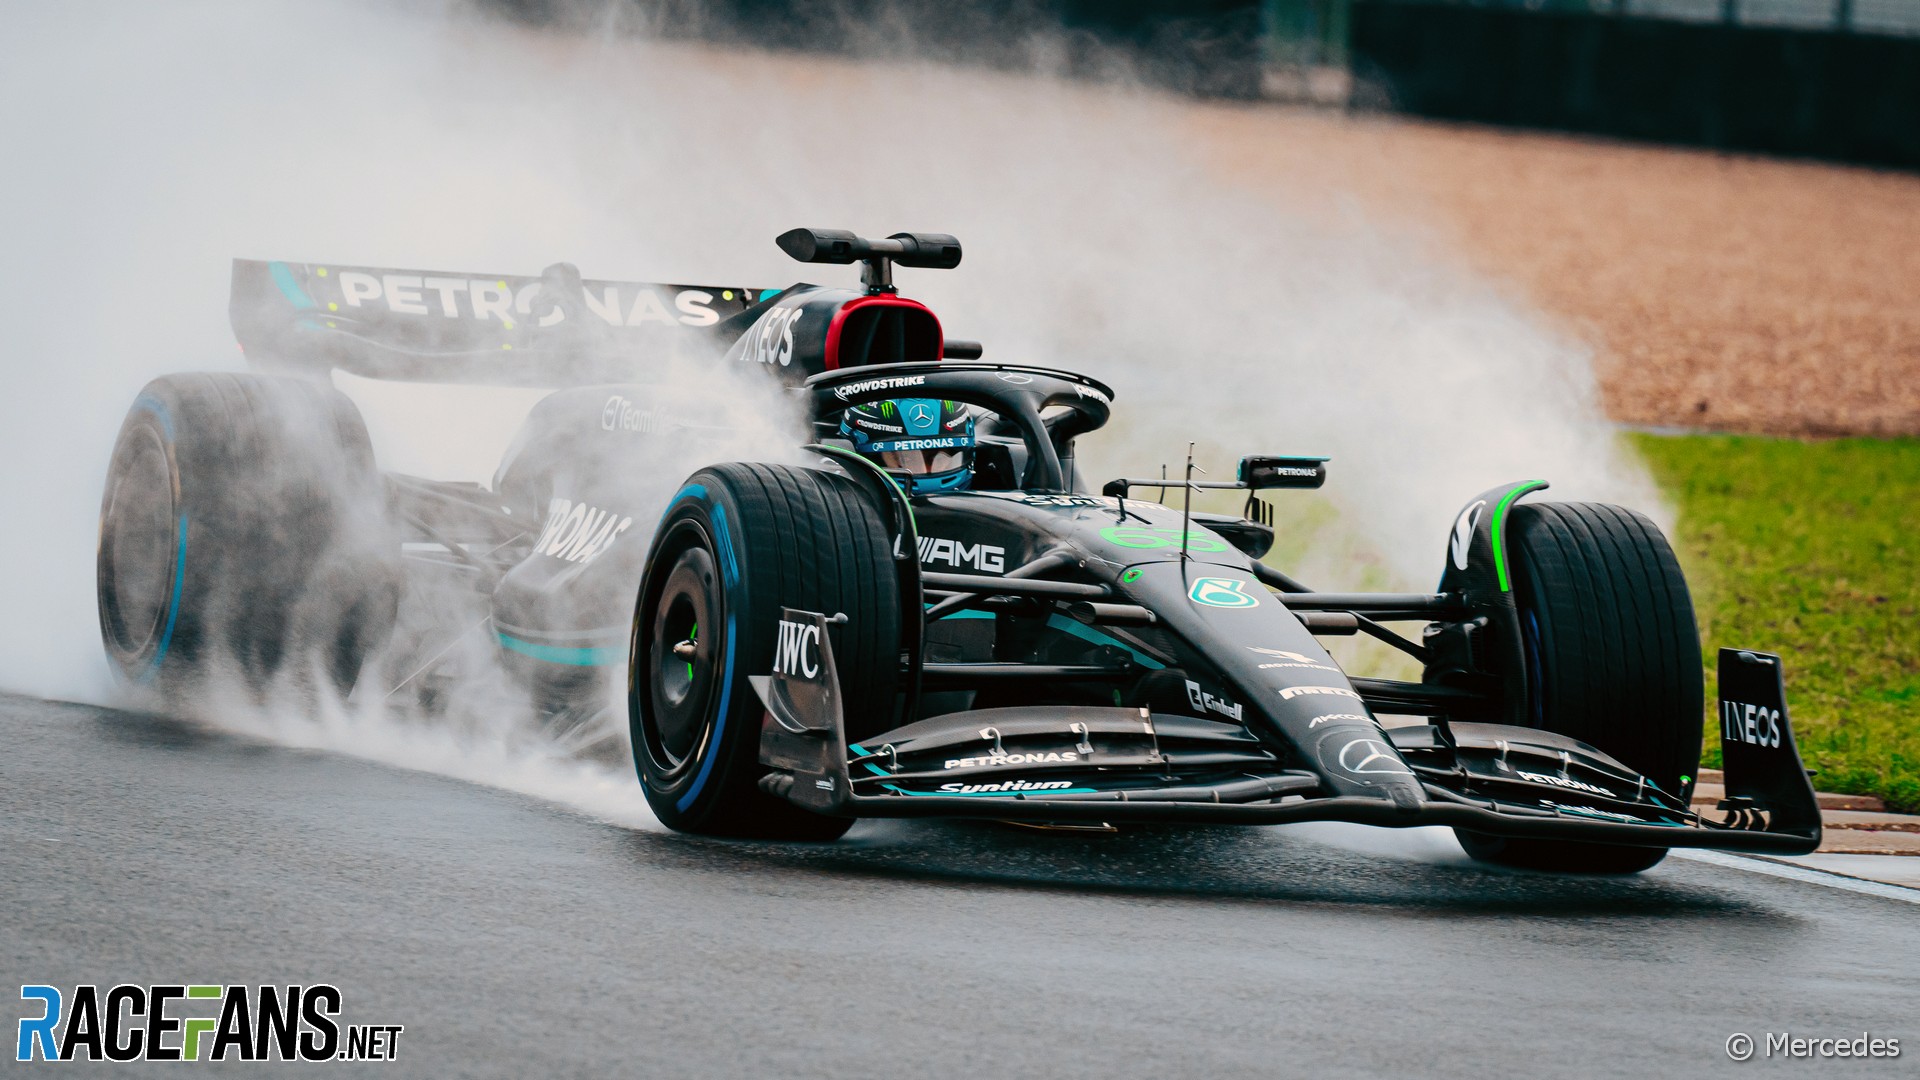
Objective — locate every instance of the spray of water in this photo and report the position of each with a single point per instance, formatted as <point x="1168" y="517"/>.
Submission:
<point x="151" y="144"/>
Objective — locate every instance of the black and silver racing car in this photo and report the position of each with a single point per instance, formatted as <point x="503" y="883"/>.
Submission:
<point x="808" y="644"/>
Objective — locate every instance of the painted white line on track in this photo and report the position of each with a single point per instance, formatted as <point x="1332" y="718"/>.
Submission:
<point x="1771" y="868"/>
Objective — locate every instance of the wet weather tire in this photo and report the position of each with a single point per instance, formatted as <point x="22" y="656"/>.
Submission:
<point x="243" y="531"/>
<point x="738" y="543"/>
<point x="1613" y="659"/>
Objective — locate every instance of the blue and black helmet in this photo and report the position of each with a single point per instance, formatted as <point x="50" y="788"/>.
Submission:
<point x="927" y="437"/>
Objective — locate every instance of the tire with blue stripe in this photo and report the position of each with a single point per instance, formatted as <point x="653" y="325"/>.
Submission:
<point x="739" y="542"/>
<point x="1613" y="659"/>
<point x="243" y="533"/>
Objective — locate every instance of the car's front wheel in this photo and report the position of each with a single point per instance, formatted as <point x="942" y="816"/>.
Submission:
<point x="1613" y="660"/>
<point x="738" y="543"/>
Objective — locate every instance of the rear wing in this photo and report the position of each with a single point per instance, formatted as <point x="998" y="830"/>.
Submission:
<point x="435" y="326"/>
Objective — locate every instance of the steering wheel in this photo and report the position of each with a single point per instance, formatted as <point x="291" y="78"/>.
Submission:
<point x="1015" y="392"/>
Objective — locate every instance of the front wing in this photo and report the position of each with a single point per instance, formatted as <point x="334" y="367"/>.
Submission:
<point x="1114" y="765"/>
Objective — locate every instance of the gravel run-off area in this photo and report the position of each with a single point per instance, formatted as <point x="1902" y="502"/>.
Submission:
<point x="1720" y="292"/>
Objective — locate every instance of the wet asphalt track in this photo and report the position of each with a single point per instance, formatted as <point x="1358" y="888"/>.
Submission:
<point x="514" y="938"/>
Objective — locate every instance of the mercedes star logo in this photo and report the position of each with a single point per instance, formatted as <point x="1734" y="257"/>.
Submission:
<point x="1363" y="756"/>
<point x="921" y="414"/>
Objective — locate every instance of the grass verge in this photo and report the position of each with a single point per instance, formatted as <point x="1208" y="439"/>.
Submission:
<point x="1811" y="550"/>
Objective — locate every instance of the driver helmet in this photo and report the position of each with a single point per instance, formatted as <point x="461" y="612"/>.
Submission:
<point x="929" y="438"/>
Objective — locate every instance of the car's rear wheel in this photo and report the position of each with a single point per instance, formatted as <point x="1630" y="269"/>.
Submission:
<point x="1613" y="659"/>
<point x="242" y="529"/>
<point x="738" y="543"/>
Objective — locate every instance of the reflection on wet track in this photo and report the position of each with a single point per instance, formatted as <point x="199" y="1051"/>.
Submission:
<point x="515" y="937"/>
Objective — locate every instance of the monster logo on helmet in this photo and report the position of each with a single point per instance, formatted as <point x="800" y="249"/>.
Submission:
<point x="929" y="438"/>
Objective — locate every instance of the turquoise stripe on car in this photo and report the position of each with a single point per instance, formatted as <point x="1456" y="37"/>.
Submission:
<point x="289" y="288"/>
<point x="173" y="608"/>
<point x="576" y="656"/>
<point x="1074" y="628"/>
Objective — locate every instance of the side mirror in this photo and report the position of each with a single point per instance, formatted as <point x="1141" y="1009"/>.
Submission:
<point x="1258" y="472"/>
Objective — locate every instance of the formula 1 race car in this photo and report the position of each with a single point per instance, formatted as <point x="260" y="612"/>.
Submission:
<point x="931" y="615"/>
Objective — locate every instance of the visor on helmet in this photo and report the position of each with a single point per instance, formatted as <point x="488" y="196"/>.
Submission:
<point x="923" y="462"/>
<point x="929" y="439"/>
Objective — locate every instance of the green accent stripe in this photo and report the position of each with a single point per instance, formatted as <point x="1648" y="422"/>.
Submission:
<point x="913" y="522"/>
<point x="562" y="654"/>
<point x="204" y="991"/>
<point x="1499" y="528"/>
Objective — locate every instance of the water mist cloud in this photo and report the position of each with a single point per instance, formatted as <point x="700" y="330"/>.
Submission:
<point x="153" y="143"/>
